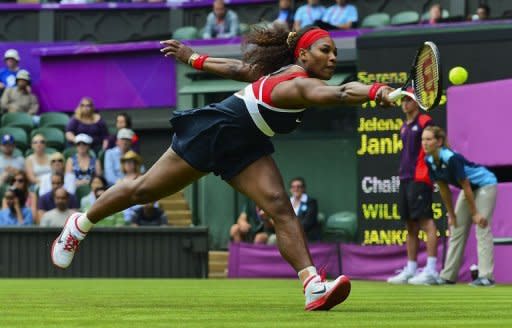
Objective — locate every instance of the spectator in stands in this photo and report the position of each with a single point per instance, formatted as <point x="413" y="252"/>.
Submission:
<point x="307" y="14"/>
<point x="221" y="22"/>
<point x="123" y="121"/>
<point x="483" y="12"/>
<point x="82" y="164"/>
<point x="37" y="164"/>
<point x="112" y="164"/>
<point x="9" y="161"/>
<point x="305" y="207"/>
<point x="131" y="166"/>
<point x="415" y="197"/>
<point x="342" y="16"/>
<point x="286" y="13"/>
<point x="13" y="211"/>
<point x="87" y="121"/>
<point x="97" y="182"/>
<point x="435" y="14"/>
<point x="149" y="214"/>
<point x="20" y="97"/>
<point x="252" y="225"/>
<point x="47" y="201"/>
<point x="29" y="198"/>
<point x="8" y="73"/>
<point x="475" y="205"/>
<point x="131" y="163"/>
<point x="57" y="216"/>
<point x="57" y="166"/>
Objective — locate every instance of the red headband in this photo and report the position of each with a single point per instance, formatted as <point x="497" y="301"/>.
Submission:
<point x="308" y="38"/>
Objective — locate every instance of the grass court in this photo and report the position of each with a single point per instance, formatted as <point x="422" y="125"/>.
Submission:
<point x="243" y="303"/>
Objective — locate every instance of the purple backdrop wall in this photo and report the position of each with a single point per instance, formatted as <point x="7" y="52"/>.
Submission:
<point x="129" y="75"/>
<point x="478" y="118"/>
<point x="357" y="262"/>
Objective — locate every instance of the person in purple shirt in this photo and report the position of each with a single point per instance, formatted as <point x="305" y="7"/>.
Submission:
<point x="47" y="201"/>
<point x="415" y="197"/>
<point x="87" y="121"/>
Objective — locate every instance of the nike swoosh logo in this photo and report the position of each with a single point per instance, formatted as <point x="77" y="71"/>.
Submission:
<point x="320" y="291"/>
<point x="298" y="120"/>
<point x="60" y="241"/>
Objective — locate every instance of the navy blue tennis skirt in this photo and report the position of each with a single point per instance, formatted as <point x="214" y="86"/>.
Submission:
<point x="219" y="138"/>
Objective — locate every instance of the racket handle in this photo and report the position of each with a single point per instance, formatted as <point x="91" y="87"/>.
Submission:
<point x="395" y="94"/>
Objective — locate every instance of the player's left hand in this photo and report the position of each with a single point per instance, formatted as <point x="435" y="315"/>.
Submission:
<point x="382" y="97"/>
<point x="176" y="49"/>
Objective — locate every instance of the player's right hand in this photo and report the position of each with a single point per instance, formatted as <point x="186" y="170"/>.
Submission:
<point x="176" y="49"/>
<point x="382" y="97"/>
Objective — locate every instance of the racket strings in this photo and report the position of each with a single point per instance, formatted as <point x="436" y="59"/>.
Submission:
<point x="426" y="82"/>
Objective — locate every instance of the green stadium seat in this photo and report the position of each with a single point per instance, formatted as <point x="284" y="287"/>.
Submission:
<point x="20" y="136"/>
<point x="81" y="192"/>
<point x="244" y="28"/>
<point x="17" y="152"/>
<point x="20" y="120"/>
<point x="376" y="20"/>
<point x="54" y="137"/>
<point x="54" y="120"/>
<point x="185" y="33"/>
<point x="341" y="226"/>
<point x="405" y="17"/>
<point x="3" y="189"/>
<point x="47" y="150"/>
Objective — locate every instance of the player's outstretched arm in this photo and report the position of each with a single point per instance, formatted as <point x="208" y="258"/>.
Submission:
<point x="316" y="92"/>
<point x="229" y="68"/>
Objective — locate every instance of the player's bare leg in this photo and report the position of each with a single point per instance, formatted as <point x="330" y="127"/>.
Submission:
<point x="167" y="176"/>
<point x="262" y="182"/>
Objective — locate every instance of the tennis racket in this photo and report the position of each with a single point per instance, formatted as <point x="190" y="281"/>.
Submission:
<point x="424" y="78"/>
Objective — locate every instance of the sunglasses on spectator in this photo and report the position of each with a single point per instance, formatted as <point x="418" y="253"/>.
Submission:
<point x="85" y="105"/>
<point x="82" y="143"/>
<point x="38" y="142"/>
<point x="57" y="160"/>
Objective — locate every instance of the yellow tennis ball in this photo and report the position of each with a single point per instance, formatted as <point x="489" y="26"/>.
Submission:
<point x="458" y="75"/>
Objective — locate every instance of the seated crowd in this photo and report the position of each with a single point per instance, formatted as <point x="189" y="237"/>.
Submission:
<point x="47" y="185"/>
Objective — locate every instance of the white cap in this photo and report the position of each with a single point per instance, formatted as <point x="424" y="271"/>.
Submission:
<point x="125" y="134"/>
<point x="12" y="53"/>
<point x="23" y="75"/>
<point x="82" y="137"/>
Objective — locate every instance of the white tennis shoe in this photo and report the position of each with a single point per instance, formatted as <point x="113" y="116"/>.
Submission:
<point x="425" y="277"/>
<point x="66" y="244"/>
<point x="401" y="278"/>
<point x="322" y="295"/>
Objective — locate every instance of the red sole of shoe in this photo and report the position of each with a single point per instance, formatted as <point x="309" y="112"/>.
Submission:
<point x="336" y="296"/>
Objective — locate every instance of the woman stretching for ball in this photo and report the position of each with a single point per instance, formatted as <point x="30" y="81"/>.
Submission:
<point x="286" y="73"/>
